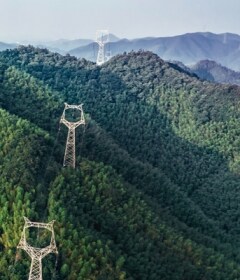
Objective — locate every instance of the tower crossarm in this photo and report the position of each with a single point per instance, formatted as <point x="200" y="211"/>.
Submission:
<point x="101" y="44"/>
<point x="29" y="223"/>
<point x="39" y="253"/>
<point x="70" y="124"/>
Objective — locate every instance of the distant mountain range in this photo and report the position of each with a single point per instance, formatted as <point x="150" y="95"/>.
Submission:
<point x="63" y="46"/>
<point x="188" y="48"/>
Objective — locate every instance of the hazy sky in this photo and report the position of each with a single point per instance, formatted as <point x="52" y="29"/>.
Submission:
<point x="72" y="19"/>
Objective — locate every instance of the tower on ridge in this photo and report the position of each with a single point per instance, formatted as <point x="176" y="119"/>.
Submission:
<point x="102" y="37"/>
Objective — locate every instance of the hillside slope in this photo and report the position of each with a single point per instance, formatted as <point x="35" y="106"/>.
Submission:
<point x="156" y="189"/>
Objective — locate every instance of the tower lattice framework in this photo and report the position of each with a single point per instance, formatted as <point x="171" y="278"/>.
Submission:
<point x="102" y="37"/>
<point x="69" y="156"/>
<point x="37" y="254"/>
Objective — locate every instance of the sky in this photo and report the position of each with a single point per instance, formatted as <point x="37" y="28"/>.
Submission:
<point x="41" y="20"/>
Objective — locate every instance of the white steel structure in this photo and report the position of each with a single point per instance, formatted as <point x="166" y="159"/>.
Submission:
<point x="37" y="254"/>
<point x="69" y="156"/>
<point x="102" y="37"/>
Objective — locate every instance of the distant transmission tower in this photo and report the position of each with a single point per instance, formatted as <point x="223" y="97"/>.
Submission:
<point x="69" y="156"/>
<point x="102" y="37"/>
<point x="37" y="254"/>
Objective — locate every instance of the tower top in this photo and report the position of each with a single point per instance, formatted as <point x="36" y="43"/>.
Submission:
<point x="71" y="124"/>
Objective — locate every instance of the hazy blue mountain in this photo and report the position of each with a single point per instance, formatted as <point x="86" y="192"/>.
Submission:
<point x="212" y="71"/>
<point x="113" y="38"/>
<point x="188" y="48"/>
<point x="65" y="45"/>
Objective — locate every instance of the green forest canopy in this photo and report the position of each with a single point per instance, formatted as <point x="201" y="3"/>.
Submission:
<point x="156" y="189"/>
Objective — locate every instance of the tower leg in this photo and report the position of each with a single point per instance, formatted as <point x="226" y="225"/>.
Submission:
<point x="69" y="157"/>
<point x="36" y="269"/>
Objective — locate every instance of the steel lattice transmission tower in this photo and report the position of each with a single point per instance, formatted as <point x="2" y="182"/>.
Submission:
<point x="102" y="37"/>
<point x="69" y="156"/>
<point x="37" y="254"/>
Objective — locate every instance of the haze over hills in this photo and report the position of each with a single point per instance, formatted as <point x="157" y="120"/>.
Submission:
<point x="155" y="194"/>
<point x="188" y="48"/>
<point x="63" y="46"/>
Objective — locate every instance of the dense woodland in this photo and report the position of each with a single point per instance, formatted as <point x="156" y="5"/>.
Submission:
<point x="155" y="193"/>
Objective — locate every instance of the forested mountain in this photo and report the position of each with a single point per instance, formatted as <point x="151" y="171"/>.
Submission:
<point x="212" y="71"/>
<point x="155" y="194"/>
